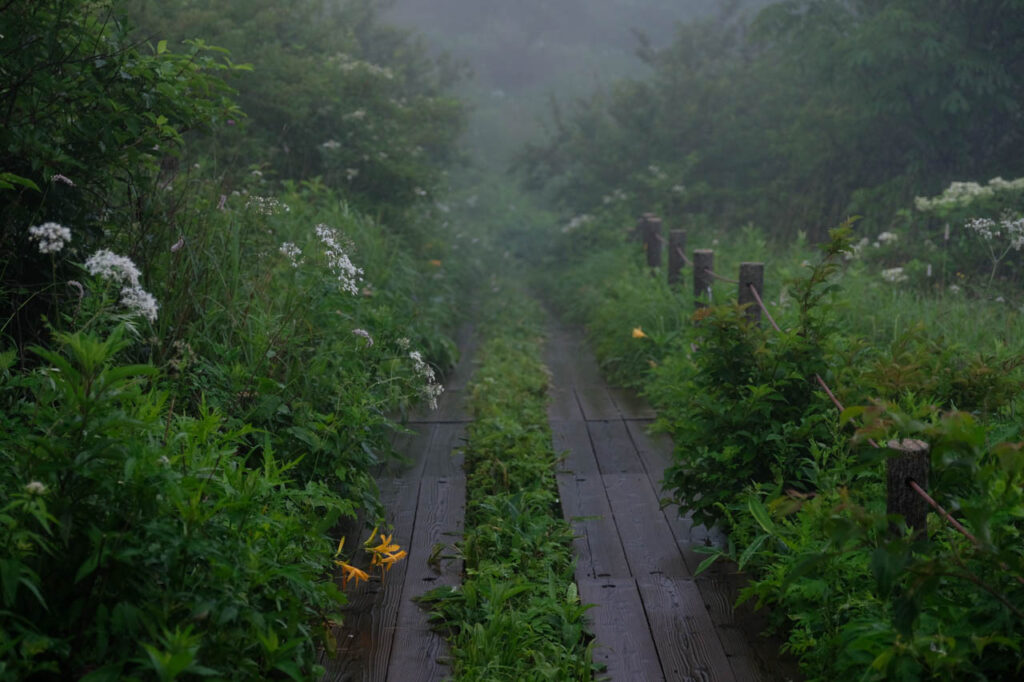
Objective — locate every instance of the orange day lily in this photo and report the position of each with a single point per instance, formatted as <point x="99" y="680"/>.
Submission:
<point x="638" y="333"/>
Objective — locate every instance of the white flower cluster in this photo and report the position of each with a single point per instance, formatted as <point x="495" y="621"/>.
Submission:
<point x="266" y="205"/>
<point x="293" y="252"/>
<point x="656" y="171"/>
<point x="894" y="275"/>
<point x="348" y="64"/>
<point x="1007" y="226"/>
<point x="963" y="193"/>
<point x="51" y="237"/>
<point x="431" y="389"/>
<point x="577" y="222"/>
<point x="123" y="271"/>
<point x="364" y="334"/>
<point x="887" y="238"/>
<point x="338" y="261"/>
<point x="331" y="144"/>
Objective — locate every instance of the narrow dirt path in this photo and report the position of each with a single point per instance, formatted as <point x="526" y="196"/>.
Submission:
<point x="653" y="620"/>
<point x="385" y="635"/>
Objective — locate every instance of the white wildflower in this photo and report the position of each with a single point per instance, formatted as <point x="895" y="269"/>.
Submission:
<point x="267" y="205"/>
<point x="1000" y="299"/>
<point x="887" y="237"/>
<point x="57" y="177"/>
<point x="954" y="288"/>
<point x="331" y="144"/>
<point x="356" y="115"/>
<point x="51" y="237"/>
<point x="139" y="302"/>
<point x="338" y="261"/>
<point x="351" y="174"/>
<point x="577" y="222"/>
<point x="420" y="192"/>
<point x="431" y="389"/>
<point x="366" y="335"/>
<point x="293" y="253"/>
<point x="403" y="343"/>
<point x="35" y="488"/>
<point x="894" y="275"/>
<point x="109" y="265"/>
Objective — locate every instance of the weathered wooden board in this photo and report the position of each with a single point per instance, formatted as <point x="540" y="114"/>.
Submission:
<point x="563" y="404"/>
<point x="573" y="439"/>
<point x="655" y="450"/>
<point x="619" y="624"/>
<point x="595" y="402"/>
<point x="684" y="635"/>
<point x="646" y="538"/>
<point x="439" y="517"/>
<point x="599" y="552"/>
<point x="630" y="405"/>
<point x="614" y="448"/>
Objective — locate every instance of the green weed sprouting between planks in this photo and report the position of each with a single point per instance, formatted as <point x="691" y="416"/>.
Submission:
<point x="517" y="615"/>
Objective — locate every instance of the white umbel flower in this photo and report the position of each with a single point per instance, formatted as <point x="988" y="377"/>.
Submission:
<point x="51" y="237"/>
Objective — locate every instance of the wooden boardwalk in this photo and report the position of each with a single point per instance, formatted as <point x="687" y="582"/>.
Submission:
<point x="635" y="561"/>
<point x="385" y="636"/>
<point x="653" y="620"/>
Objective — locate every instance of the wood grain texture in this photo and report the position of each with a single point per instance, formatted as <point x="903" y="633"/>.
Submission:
<point x="563" y="404"/>
<point x="599" y="552"/>
<point x="630" y="405"/>
<point x="418" y="653"/>
<point x="654" y="450"/>
<point x="596" y="402"/>
<point x="623" y="636"/>
<point x="573" y="439"/>
<point x="614" y="447"/>
<point x="684" y="635"/>
<point x="647" y="540"/>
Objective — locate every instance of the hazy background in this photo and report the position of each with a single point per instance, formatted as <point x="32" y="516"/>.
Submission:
<point x="524" y="53"/>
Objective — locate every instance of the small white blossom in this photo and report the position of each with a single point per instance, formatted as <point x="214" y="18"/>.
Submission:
<point x="267" y="205"/>
<point x="331" y="144"/>
<point x="338" y="261"/>
<point x="139" y="302"/>
<point x="403" y="343"/>
<point x="894" y="275"/>
<point x="366" y="335"/>
<point x="62" y="178"/>
<point x="51" y="237"/>
<point x="887" y="237"/>
<point x="954" y="288"/>
<point x="293" y="253"/>
<point x="109" y="265"/>
<point x="35" y="488"/>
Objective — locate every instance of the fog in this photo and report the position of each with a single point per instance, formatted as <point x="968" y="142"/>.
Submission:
<point x="522" y="53"/>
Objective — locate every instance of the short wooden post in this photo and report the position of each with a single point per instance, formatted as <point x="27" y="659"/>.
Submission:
<point x="676" y="249"/>
<point x="751" y="274"/>
<point x="652" y="239"/>
<point x="911" y="463"/>
<point x="703" y="266"/>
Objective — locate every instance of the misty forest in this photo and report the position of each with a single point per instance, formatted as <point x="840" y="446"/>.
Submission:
<point x="511" y="340"/>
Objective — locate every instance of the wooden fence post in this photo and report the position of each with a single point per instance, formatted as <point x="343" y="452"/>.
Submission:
<point x="652" y="239"/>
<point x="911" y="464"/>
<point x="676" y="249"/>
<point x="751" y="274"/>
<point x="703" y="266"/>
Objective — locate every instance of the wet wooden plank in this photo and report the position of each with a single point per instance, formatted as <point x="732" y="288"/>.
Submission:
<point x="439" y="518"/>
<point x="614" y="447"/>
<point x="467" y="342"/>
<point x="631" y="405"/>
<point x="443" y="457"/>
<point x="619" y="624"/>
<point x="595" y="401"/>
<point x="597" y="546"/>
<point x="684" y="635"/>
<point x="563" y="404"/>
<point x="366" y="635"/>
<point x="572" y="438"/>
<point x="647" y="539"/>
<point x="655" y="449"/>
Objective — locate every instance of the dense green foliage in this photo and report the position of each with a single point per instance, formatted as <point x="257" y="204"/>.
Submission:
<point x="199" y="364"/>
<point x="795" y="118"/>
<point x="332" y="93"/>
<point x="517" y="615"/>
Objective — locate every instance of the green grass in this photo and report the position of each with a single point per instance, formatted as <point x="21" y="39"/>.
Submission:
<point x="517" y="615"/>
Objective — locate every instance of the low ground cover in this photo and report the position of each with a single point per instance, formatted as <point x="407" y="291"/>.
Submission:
<point x="517" y="615"/>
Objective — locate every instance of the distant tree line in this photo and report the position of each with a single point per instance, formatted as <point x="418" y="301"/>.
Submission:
<point x="801" y="114"/>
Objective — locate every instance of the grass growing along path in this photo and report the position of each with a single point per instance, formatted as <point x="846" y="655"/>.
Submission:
<point x="517" y="615"/>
